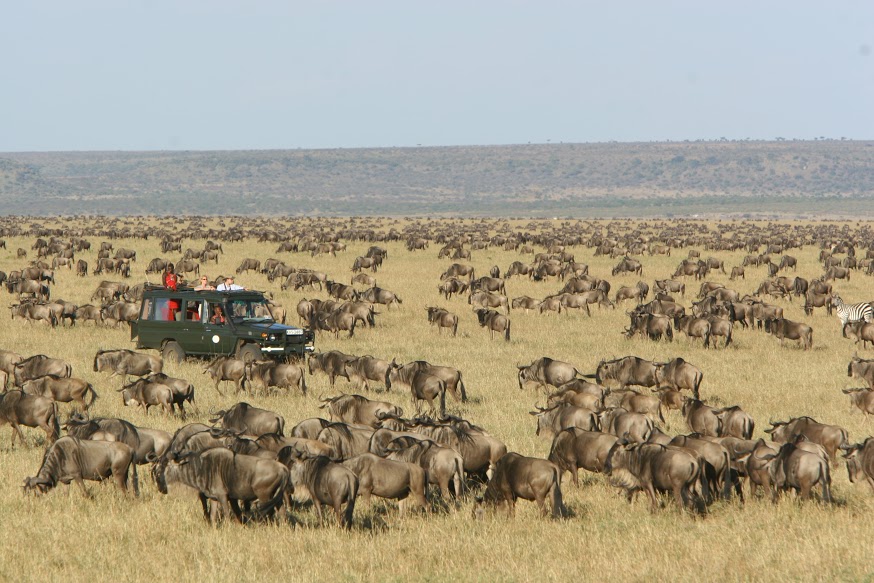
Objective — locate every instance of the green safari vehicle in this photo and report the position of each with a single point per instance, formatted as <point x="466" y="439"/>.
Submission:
<point x="212" y="323"/>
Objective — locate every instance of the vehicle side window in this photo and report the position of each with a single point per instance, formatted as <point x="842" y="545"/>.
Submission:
<point x="193" y="310"/>
<point x="147" y="309"/>
<point x="165" y="309"/>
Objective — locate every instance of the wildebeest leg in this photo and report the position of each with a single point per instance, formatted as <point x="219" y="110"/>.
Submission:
<point x="81" y="483"/>
<point x="204" y="503"/>
<point x="540" y="498"/>
<point x="651" y="494"/>
<point x="17" y="430"/>
<point x="318" y="506"/>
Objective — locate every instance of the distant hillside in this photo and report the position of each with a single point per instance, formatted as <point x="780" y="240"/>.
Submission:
<point x="566" y="179"/>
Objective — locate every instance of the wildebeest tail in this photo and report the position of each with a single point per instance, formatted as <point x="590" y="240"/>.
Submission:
<point x="507" y="332"/>
<point x="90" y="389"/>
<point x="826" y="478"/>
<point x="461" y="388"/>
<point x="455" y="327"/>
<point x="52" y="319"/>
<point x="268" y="508"/>
<point x="728" y="337"/>
<point x="459" y="477"/>
<point x="442" y="399"/>
<point x="55" y="423"/>
<point x="350" y="505"/>
<point x="558" y="509"/>
<point x="698" y="378"/>
<point x="135" y="477"/>
<point x="303" y="381"/>
<point x="661" y="415"/>
<point x="726" y="478"/>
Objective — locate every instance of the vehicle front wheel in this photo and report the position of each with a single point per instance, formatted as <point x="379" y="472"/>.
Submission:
<point x="173" y="352"/>
<point x="249" y="353"/>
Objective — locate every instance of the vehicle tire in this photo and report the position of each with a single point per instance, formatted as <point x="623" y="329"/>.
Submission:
<point x="173" y="352"/>
<point x="249" y="353"/>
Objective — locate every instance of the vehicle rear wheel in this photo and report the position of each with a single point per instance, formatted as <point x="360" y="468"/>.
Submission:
<point x="173" y="352"/>
<point x="249" y="353"/>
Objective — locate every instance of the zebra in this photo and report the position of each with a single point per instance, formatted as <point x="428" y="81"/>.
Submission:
<point x="851" y="312"/>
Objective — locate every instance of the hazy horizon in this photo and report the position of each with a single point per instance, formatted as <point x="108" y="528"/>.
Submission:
<point x="219" y="76"/>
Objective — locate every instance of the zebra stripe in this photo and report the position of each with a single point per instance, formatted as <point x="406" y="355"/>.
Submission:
<point x="852" y="312"/>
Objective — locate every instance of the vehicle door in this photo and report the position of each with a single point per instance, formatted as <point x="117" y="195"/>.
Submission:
<point x="217" y="337"/>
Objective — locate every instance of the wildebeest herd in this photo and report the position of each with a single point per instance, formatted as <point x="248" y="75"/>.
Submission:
<point x="387" y="429"/>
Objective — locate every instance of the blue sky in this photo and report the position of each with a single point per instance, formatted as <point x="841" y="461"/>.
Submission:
<point x="191" y="75"/>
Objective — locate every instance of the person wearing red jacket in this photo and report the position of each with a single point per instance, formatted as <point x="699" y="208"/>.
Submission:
<point x="171" y="282"/>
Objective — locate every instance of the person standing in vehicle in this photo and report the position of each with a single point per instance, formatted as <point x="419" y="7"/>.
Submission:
<point x="171" y="282"/>
<point x="229" y="285"/>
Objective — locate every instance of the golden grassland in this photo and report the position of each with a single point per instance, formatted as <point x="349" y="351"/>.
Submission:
<point x="165" y="538"/>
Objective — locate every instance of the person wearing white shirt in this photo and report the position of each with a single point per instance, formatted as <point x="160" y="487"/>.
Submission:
<point x="229" y="285"/>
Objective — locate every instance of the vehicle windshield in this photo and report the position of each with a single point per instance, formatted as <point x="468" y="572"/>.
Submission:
<point x="249" y="310"/>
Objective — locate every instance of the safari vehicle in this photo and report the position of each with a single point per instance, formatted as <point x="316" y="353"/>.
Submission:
<point x="211" y="323"/>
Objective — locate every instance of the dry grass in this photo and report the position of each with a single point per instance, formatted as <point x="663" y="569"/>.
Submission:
<point x="165" y="538"/>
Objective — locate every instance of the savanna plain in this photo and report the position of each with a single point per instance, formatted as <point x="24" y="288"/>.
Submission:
<point x="62" y="535"/>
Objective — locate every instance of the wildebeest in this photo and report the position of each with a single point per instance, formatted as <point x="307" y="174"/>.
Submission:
<point x="652" y="326"/>
<point x="346" y="441"/>
<point x="361" y="369"/>
<point x="75" y="460"/>
<point x="638" y="292"/>
<point x="456" y="269"/>
<point x="860" y="461"/>
<point x="857" y="331"/>
<point x="227" y="478"/>
<point x="403" y="374"/>
<point x="830" y="437"/>
<point x="794" y="467"/>
<point x="694" y="327"/>
<point x="546" y="371"/>
<point x="357" y="409"/>
<point x="518" y="476"/>
<point x="628" y="265"/>
<point x="442" y="319"/>
<point x="18" y="408"/>
<point x="714" y="459"/>
<point x="679" y="374"/>
<point x="389" y="479"/>
<point x="248" y="264"/>
<point x="574" y="448"/>
<point x="669" y="285"/>
<point x="226" y="368"/>
<point x="37" y="366"/>
<point x="635" y="427"/>
<point x="490" y="284"/>
<point x="322" y="481"/>
<point x="636" y="402"/>
<point x="452" y="286"/>
<point x="861" y="369"/>
<point x="862" y="398"/>
<point x="250" y="421"/>
<point x="31" y="312"/>
<point x="783" y="329"/>
<point x="559" y="416"/>
<point x="266" y="374"/>
<point x="524" y="303"/>
<point x="62" y="390"/>
<point x="479" y="450"/>
<point x="332" y="363"/>
<point x="147" y="394"/>
<point x="486" y="299"/>
<point x="123" y="362"/>
<point x="443" y="466"/>
<point x="628" y="370"/>
<point x="701" y="418"/>
<point x="652" y="467"/>
<point x="495" y="322"/>
<point x="377" y="295"/>
<point x="735" y="422"/>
